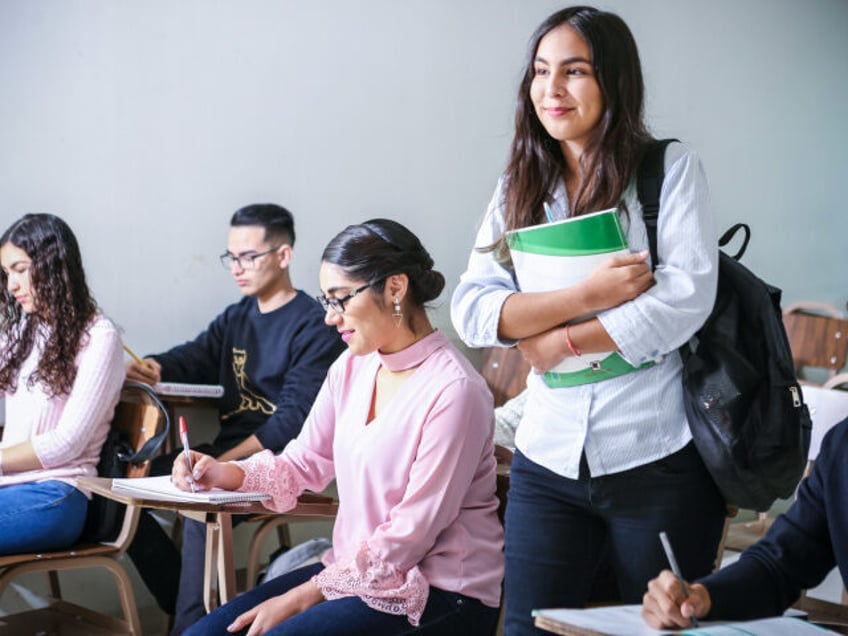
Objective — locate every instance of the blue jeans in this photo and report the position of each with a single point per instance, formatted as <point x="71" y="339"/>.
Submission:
<point x="40" y="516"/>
<point x="557" y="530"/>
<point x="446" y="614"/>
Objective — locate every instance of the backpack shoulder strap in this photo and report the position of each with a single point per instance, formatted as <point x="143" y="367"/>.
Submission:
<point x="649" y="180"/>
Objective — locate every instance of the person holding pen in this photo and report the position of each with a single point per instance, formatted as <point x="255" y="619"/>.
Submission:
<point x="604" y="457"/>
<point x="404" y="424"/>
<point x="799" y="550"/>
<point x="61" y="372"/>
<point x="270" y="351"/>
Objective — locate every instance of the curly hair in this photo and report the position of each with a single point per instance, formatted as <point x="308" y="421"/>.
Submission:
<point x="63" y="306"/>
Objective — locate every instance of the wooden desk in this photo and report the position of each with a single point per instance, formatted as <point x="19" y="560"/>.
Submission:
<point x="219" y="580"/>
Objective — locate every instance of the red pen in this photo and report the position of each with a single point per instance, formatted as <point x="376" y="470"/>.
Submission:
<point x="186" y="450"/>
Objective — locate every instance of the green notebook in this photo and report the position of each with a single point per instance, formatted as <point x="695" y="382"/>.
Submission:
<point x="559" y="255"/>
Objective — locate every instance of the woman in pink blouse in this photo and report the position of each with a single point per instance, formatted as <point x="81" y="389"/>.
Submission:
<point x="61" y="371"/>
<point x="404" y="425"/>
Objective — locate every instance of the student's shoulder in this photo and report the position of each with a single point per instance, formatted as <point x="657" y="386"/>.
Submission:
<point x="103" y="332"/>
<point x="307" y="308"/>
<point x="299" y="313"/>
<point x="101" y="326"/>
<point x="303" y="299"/>
<point x="242" y="307"/>
<point x="247" y="308"/>
<point x="680" y="153"/>
<point x="835" y="440"/>
<point x="455" y="368"/>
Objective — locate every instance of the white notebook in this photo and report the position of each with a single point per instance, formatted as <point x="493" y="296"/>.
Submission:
<point x="559" y="255"/>
<point x="189" y="390"/>
<point x="161" y="488"/>
<point x="626" y="620"/>
<point x="827" y="407"/>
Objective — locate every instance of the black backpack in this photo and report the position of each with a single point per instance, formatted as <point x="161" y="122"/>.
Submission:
<point x="743" y="401"/>
<point x="106" y="516"/>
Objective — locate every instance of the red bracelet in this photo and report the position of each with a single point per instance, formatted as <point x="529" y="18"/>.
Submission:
<point x="574" y="350"/>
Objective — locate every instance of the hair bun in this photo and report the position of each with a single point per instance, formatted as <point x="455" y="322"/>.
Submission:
<point x="431" y="284"/>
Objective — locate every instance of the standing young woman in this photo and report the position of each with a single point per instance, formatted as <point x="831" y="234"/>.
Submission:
<point x="61" y="371"/>
<point x="610" y="461"/>
<point x="404" y="424"/>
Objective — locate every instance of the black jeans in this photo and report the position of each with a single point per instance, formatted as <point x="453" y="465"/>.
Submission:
<point x="557" y="530"/>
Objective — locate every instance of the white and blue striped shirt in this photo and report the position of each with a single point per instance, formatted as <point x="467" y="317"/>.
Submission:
<point x="633" y="419"/>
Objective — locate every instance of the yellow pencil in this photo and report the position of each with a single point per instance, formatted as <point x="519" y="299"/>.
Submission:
<point x="134" y="357"/>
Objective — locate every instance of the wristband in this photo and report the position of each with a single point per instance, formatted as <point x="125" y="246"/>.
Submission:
<point x="574" y="350"/>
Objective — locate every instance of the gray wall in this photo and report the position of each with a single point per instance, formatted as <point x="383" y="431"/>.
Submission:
<point x="145" y="124"/>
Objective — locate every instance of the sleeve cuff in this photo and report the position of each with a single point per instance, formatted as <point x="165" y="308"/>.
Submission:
<point x="381" y="585"/>
<point x="265" y="472"/>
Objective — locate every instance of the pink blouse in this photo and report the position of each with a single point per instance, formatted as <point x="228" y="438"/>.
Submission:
<point x="68" y="431"/>
<point x="417" y="503"/>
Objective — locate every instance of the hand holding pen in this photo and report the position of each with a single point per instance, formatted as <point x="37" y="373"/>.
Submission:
<point x="662" y="606"/>
<point x="187" y="451"/>
<point x="202" y="472"/>
<point x="147" y="370"/>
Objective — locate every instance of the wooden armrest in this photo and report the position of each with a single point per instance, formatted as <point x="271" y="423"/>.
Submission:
<point x="314" y="497"/>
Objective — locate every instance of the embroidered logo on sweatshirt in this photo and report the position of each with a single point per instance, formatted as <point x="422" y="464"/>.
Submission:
<point x="248" y="399"/>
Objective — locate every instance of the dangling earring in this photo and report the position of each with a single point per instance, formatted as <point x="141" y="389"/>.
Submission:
<point x="397" y="315"/>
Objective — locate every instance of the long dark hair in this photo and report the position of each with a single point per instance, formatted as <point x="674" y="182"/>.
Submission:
<point x="613" y="151"/>
<point x="379" y="248"/>
<point x="63" y="308"/>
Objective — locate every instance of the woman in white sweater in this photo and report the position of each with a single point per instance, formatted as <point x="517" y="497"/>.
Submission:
<point x="61" y="372"/>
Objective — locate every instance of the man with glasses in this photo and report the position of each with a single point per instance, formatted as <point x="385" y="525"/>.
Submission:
<point x="270" y="351"/>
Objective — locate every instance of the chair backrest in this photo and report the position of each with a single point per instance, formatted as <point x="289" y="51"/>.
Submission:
<point x="839" y="381"/>
<point x="818" y="340"/>
<point x="137" y="432"/>
<point x="139" y="417"/>
<point x="505" y="371"/>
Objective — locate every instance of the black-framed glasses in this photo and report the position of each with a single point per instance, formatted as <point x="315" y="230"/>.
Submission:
<point x="338" y="304"/>
<point x="244" y="261"/>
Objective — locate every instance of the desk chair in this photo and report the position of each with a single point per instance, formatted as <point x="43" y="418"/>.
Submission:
<point x="266" y="524"/>
<point x="818" y="337"/>
<point x="279" y="523"/>
<point x="839" y="381"/>
<point x="140" y="419"/>
<point x="505" y="371"/>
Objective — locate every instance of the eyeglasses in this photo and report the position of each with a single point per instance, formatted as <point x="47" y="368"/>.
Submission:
<point x="338" y="304"/>
<point x="244" y="261"/>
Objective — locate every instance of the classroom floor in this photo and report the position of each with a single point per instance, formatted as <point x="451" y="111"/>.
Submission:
<point x="95" y="588"/>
